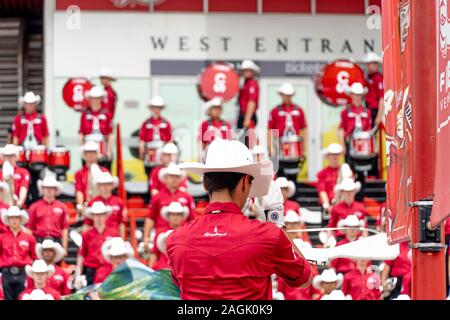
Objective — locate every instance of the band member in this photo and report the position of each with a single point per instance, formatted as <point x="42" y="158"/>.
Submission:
<point x="85" y="177"/>
<point x="375" y="93"/>
<point x="16" y="251"/>
<point x="37" y="294"/>
<point x="328" y="177"/>
<point x="115" y="251"/>
<point x="287" y="122"/>
<point x="4" y="195"/>
<point x="248" y="98"/>
<point x="154" y="132"/>
<point x="362" y="283"/>
<point x="49" y="216"/>
<point x="328" y="281"/>
<point x="17" y="178"/>
<point x="109" y="101"/>
<point x="96" y="125"/>
<point x="40" y="272"/>
<point x="175" y="214"/>
<point x="288" y="190"/>
<point x="90" y="258"/>
<point x="293" y="222"/>
<point x="105" y="183"/>
<point x="234" y="256"/>
<point x="397" y="268"/>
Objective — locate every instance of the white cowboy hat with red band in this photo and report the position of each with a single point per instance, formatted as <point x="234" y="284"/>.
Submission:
<point x="328" y="275"/>
<point x="37" y="294"/>
<point x="291" y="217"/>
<point x="30" y="97"/>
<point x="336" y="295"/>
<point x="106" y="72"/>
<point x="286" y="89"/>
<point x="116" y="247"/>
<point x="234" y="156"/>
<point x="372" y="57"/>
<point x="98" y="207"/>
<point x="282" y="183"/>
<point x="156" y="101"/>
<point x="351" y="221"/>
<point x="39" y="266"/>
<point x="14" y="212"/>
<point x="249" y="65"/>
<point x="96" y="92"/>
<point x="49" y="244"/>
<point x="49" y="182"/>
<point x="172" y="169"/>
<point x="214" y="102"/>
<point x="348" y="184"/>
<point x="174" y="207"/>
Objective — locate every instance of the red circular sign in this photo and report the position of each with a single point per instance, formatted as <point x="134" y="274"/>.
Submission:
<point x="219" y="80"/>
<point x="74" y="93"/>
<point x="335" y="79"/>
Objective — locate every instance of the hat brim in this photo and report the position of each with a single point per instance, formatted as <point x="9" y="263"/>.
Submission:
<point x="317" y="281"/>
<point x="291" y="94"/>
<point x="29" y="270"/>
<point x="89" y="214"/>
<point x="36" y="101"/>
<point x="129" y="252"/>
<point x="114" y="182"/>
<point x="23" y="215"/>
<point x="163" y="172"/>
<point x="357" y="187"/>
<point x="58" y="187"/>
<point x="261" y="171"/>
<point x="165" y="212"/>
<point x="59" y="252"/>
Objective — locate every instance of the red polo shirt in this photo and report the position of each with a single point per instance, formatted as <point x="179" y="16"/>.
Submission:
<point x="117" y="215"/>
<point x="109" y="102"/>
<point x="48" y="219"/>
<point x="3" y="207"/>
<point x="248" y="92"/>
<point x="91" y="246"/>
<point x="16" y="251"/>
<point x="327" y="179"/>
<point x="278" y="115"/>
<point x="343" y="265"/>
<point x="308" y="293"/>
<point x="48" y="290"/>
<point x="224" y="255"/>
<point x="59" y="281"/>
<point x="147" y="131"/>
<point x="162" y="262"/>
<point x="362" y="286"/>
<point x="348" y="119"/>
<point x="21" y="179"/>
<point x="39" y="122"/>
<point x="342" y="210"/>
<point x="103" y="272"/>
<point x="81" y="180"/>
<point x="210" y="129"/>
<point x="375" y="91"/>
<point x="400" y="265"/>
<point x="157" y="184"/>
<point x="104" y="118"/>
<point x="163" y="199"/>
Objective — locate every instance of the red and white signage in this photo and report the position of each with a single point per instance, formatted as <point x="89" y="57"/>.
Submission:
<point x="74" y="93"/>
<point x="333" y="82"/>
<point x="219" y="80"/>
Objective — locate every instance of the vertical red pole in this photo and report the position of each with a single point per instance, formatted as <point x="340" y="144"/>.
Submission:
<point x="120" y="170"/>
<point x="428" y="268"/>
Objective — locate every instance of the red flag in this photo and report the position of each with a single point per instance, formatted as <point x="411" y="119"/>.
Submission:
<point x="122" y="193"/>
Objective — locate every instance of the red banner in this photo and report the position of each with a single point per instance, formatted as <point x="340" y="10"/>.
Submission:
<point x="74" y="93"/>
<point x="397" y="54"/>
<point x="219" y="80"/>
<point x="441" y="204"/>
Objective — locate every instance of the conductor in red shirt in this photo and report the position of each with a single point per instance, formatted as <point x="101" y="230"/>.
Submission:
<point x="110" y="99"/>
<point x="375" y="93"/>
<point x="223" y="254"/>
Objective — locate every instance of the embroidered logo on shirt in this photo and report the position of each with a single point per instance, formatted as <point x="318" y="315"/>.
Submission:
<point x="215" y="233"/>
<point x="58" y="277"/>
<point x="182" y="200"/>
<point x="57" y="210"/>
<point x="24" y="243"/>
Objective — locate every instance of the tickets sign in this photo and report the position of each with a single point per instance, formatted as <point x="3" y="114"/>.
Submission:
<point x="74" y="93"/>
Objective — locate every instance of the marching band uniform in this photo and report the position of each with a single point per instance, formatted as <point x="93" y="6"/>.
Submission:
<point x="156" y="185"/>
<point x="117" y="216"/>
<point x="214" y="127"/>
<point x="249" y="92"/>
<point x="361" y="285"/>
<point x="48" y="219"/>
<point x="39" y="266"/>
<point x="374" y="81"/>
<point x="353" y="117"/>
<point x="109" y="101"/>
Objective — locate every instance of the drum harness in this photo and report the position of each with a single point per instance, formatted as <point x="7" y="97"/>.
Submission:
<point x="30" y="142"/>
<point x="96" y="134"/>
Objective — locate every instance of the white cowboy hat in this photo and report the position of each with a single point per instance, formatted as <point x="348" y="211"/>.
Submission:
<point x="249" y="65"/>
<point x="49" y="182"/>
<point x="9" y="150"/>
<point x="156" y="101"/>
<point x="174" y="207"/>
<point x="346" y="171"/>
<point x="30" y="97"/>
<point x="49" y="244"/>
<point x="234" y="156"/>
<point x="291" y="217"/>
<point x="328" y="275"/>
<point x="214" y="102"/>
<point x="115" y="247"/>
<point x="90" y="146"/>
<point x="333" y="148"/>
<point x="402" y="297"/>
<point x="350" y="221"/>
<point x="4" y="186"/>
<point x="39" y="266"/>
<point x="172" y="169"/>
<point x="300" y="243"/>
<point x="287" y="89"/>
<point x="104" y="177"/>
<point x="348" y="184"/>
<point x="170" y="148"/>
<point x="258" y="149"/>
<point x="105" y="72"/>
<point x="372" y="57"/>
<point x="96" y="92"/>
<point x="98" y="207"/>
<point x="336" y="295"/>
<point x="14" y="212"/>
<point x="357" y="88"/>
<point x="282" y="182"/>
<point x="37" y="294"/>
<point x="162" y="240"/>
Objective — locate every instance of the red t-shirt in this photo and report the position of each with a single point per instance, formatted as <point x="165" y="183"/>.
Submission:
<point x="21" y="179"/>
<point x="116" y="217"/>
<point x="342" y="210"/>
<point x="59" y="281"/>
<point x="156" y="184"/>
<point x="109" y="102"/>
<point x="38" y="121"/>
<point x="91" y="246"/>
<point x="348" y="119"/>
<point x="48" y="219"/>
<point x="47" y="290"/>
<point x="224" y="255"/>
<point x="104" y="118"/>
<point x="147" y="131"/>
<point x="375" y="90"/>
<point x="248" y="92"/>
<point x="278" y="117"/>
<point x="362" y="286"/>
<point x="400" y="265"/>
<point x="343" y="265"/>
<point x="81" y="180"/>
<point x="209" y="129"/>
<point x="327" y="179"/>
<point x="17" y="251"/>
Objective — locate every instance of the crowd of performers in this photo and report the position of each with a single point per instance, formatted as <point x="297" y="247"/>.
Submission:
<point x="34" y="227"/>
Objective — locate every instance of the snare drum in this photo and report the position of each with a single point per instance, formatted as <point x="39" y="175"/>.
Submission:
<point x="362" y="145"/>
<point x="21" y="157"/>
<point x="38" y="158"/>
<point x="59" y="160"/>
<point x="291" y="148"/>
<point x="151" y="157"/>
